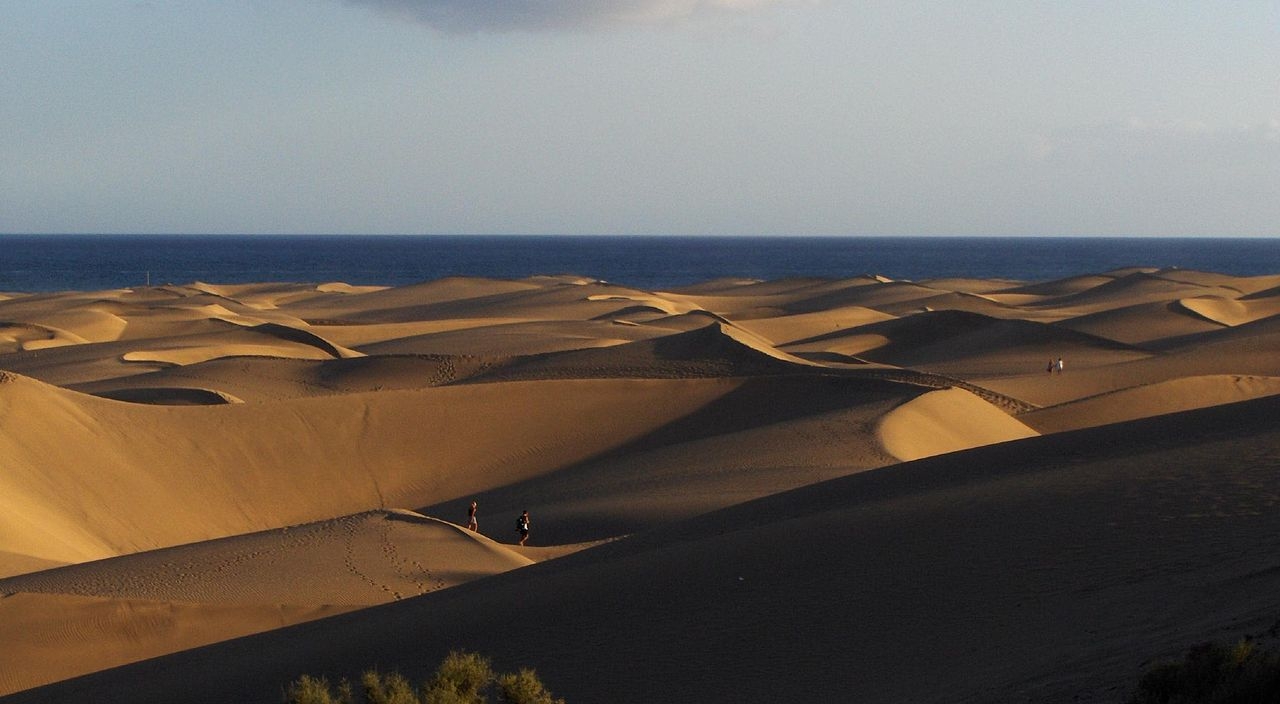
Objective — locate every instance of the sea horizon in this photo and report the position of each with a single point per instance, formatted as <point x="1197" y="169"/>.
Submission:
<point x="70" y="261"/>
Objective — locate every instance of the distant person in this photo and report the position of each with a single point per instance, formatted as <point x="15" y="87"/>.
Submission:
<point x="522" y="526"/>
<point x="1051" y="366"/>
<point x="472" y="523"/>
<point x="1059" y="365"/>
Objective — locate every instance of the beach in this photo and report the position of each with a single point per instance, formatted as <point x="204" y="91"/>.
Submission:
<point x="862" y="489"/>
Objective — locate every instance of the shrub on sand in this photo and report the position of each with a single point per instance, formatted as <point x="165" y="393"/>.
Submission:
<point x="524" y="687"/>
<point x="392" y="688"/>
<point x="462" y="678"/>
<point x="313" y="690"/>
<point x="1214" y="674"/>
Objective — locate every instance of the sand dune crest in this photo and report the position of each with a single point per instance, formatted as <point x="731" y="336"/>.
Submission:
<point x="945" y="421"/>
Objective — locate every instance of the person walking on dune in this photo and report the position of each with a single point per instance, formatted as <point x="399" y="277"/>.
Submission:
<point x="522" y="525"/>
<point x="472" y="524"/>
<point x="1059" y="365"/>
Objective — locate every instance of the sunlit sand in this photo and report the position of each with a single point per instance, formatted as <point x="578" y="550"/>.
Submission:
<point x="863" y="490"/>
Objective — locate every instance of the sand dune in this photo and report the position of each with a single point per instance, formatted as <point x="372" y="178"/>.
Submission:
<point x="50" y="637"/>
<point x="1021" y="571"/>
<point x="946" y="421"/>
<point x="971" y="344"/>
<point x="1179" y="394"/>
<point x="1140" y="287"/>
<point x="863" y="479"/>
<point x="713" y="350"/>
<point x="197" y="473"/>
<point x="85" y="617"/>
<point x="1232" y="312"/>
<point x="511" y="339"/>
<point x="1143" y="324"/>
<point x="789" y="329"/>
<point x="364" y="559"/>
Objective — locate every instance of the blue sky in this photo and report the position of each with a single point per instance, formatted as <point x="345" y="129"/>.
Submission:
<point x="641" y="116"/>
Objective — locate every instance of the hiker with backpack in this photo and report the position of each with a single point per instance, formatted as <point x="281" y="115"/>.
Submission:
<point x="522" y="527"/>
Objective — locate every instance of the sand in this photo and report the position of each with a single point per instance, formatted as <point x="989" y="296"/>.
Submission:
<point x="746" y="490"/>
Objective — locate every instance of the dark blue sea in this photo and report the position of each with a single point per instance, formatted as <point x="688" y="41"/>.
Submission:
<point x="39" y="263"/>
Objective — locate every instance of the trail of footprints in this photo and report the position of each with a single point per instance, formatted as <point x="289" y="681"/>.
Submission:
<point x="407" y="569"/>
<point x="411" y="575"/>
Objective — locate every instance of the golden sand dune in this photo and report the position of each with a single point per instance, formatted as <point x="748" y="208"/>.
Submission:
<point x="1141" y="287"/>
<point x="667" y="306"/>
<point x="768" y="434"/>
<point x="177" y="462"/>
<point x="879" y="295"/>
<point x="255" y="379"/>
<point x="971" y="344"/>
<point x="1231" y="312"/>
<point x="1247" y="350"/>
<point x="790" y="329"/>
<point x="86" y="616"/>
<point x="1144" y="324"/>
<point x="16" y="563"/>
<point x="1259" y="331"/>
<point x="713" y="350"/>
<point x="509" y="339"/>
<point x="1059" y="288"/>
<point x="545" y="300"/>
<point x="27" y="337"/>
<point x="404" y="303"/>
<point x="772" y="298"/>
<point x="153" y="476"/>
<point x="263" y="340"/>
<point x="979" y="286"/>
<point x="51" y="637"/>
<point x="88" y="324"/>
<point x="954" y="301"/>
<point x="1181" y="394"/>
<point x="363" y="559"/>
<point x="402" y="334"/>
<point x="946" y="421"/>
<point x="1024" y="571"/>
<point x="1245" y="285"/>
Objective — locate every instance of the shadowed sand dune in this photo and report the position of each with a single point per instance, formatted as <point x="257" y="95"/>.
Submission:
<point x="363" y="559"/>
<point x="50" y="637"/>
<point x="966" y="344"/>
<point x="97" y="615"/>
<point x="1179" y="394"/>
<point x="1024" y="571"/>
<point x="858" y="489"/>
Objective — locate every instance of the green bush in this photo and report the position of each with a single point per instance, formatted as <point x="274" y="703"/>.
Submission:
<point x="311" y="690"/>
<point x="524" y="687"/>
<point x="387" y="689"/>
<point x="1213" y="673"/>
<point x="462" y="678"/>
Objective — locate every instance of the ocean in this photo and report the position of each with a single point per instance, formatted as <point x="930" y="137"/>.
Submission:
<point x="43" y="263"/>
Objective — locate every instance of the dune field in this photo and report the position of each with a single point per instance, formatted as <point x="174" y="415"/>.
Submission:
<point x="809" y="490"/>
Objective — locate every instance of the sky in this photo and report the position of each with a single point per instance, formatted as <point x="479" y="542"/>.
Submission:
<point x="687" y="117"/>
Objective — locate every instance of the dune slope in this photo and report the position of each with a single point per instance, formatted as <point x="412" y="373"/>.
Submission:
<point x="1043" y="570"/>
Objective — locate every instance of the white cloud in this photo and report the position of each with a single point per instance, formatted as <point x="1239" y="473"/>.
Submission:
<point x="511" y="15"/>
